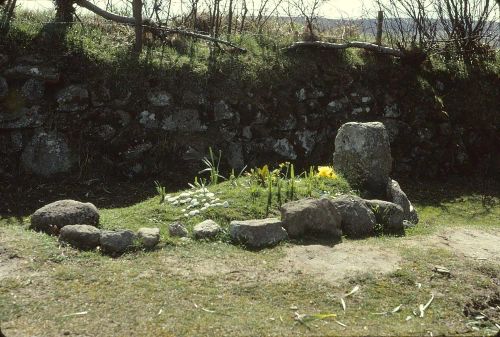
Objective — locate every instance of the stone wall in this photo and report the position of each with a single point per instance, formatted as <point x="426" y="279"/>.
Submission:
<point x="52" y="123"/>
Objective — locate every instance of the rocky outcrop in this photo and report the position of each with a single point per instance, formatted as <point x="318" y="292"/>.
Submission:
<point x="316" y="217"/>
<point x="54" y="216"/>
<point x="257" y="234"/>
<point x="363" y="156"/>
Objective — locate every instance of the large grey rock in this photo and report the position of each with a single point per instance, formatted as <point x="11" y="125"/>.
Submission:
<point x="177" y="229"/>
<point x="54" y="216"/>
<point x="148" y="237"/>
<point x="4" y="88"/>
<point x="83" y="237"/>
<point x="25" y="72"/>
<point x="73" y="98"/>
<point x="284" y="148"/>
<point x="47" y="154"/>
<point x="117" y="242"/>
<point x="312" y="216"/>
<point x="396" y="195"/>
<point x="363" y="156"/>
<point x="388" y="214"/>
<point x="257" y="233"/>
<point x="357" y="219"/>
<point x="207" y="229"/>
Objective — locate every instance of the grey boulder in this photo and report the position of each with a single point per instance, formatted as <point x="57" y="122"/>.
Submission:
<point x="54" y="216"/>
<point x="396" y="195"/>
<point x="177" y="229"/>
<point x="47" y="154"/>
<point x="148" y="237"/>
<point x="388" y="214"/>
<point x="257" y="233"/>
<point x="317" y="217"/>
<point x="117" y="242"/>
<point x="83" y="237"/>
<point x="207" y="229"/>
<point x="363" y="156"/>
<point x="358" y="220"/>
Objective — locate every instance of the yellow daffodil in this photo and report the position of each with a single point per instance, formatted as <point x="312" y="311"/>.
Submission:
<point x="326" y="172"/>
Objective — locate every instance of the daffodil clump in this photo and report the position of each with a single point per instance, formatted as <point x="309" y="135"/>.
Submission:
<point x="326" y="172"/>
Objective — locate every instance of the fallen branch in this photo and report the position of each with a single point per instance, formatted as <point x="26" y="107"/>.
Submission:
<point x="151" y="25"/>
<point x="351" y="44"/>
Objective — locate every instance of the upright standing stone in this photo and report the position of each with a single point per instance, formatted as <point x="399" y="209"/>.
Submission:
<point x="363" y="156"/>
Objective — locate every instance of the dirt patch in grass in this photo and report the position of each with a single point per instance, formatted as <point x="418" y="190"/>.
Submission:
<point x="10" y="263"/>
<point x="470" y="243"/>
<point x="333" y="264"/>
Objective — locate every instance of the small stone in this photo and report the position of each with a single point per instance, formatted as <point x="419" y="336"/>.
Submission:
<point x="83" y="237"/>
<point x="117" y="242"/>
<point x="33" y="90"/>
<point x="207" y="229"/>
<point x="73" y="98"/>
<point x="193" y="213"/>
<point x="159" y="98"/>
<point x="225" y="204"/>
<point x="149" y="237"/>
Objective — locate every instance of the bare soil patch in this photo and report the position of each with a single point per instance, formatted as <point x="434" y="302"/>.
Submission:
<point x="335" y="263"/>
<point x="470" y="243"/>
<point x="10" y="263"/>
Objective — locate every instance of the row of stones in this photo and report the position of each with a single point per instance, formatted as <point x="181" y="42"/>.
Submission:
<point x="76" y="223"/>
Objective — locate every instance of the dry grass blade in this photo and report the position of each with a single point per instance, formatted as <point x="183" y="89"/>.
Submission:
<point x="76" y="314"/>
<point x="423" y="307"/>
<point x="340" y="323"/>
<point x="343" y="303"/>
<point x="354" y="290"/>
<point x="396" y="309"/>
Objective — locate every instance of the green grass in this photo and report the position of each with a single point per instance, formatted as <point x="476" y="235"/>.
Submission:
<point x="217" y="289"/>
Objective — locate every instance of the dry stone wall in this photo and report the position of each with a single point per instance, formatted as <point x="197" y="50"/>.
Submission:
<point x="52" y="124"/>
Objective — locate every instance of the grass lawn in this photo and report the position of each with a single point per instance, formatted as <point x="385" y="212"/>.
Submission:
<point x="189" y="288"/>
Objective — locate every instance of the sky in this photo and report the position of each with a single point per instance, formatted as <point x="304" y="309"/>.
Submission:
<point x="333" y="9"/>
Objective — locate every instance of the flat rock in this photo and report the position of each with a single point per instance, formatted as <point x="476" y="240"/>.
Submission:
<point x="117" y="242"/>
<point x="388" y="214"/>
<point x="54" y="216"/>
<point x="358" y="220"/>
<point x="83" y="237"/>
<point x="149" y="237"/>
<point x="258" y="233"/>
<point x="207" y="229"/>
<point x="312" y="216"/>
